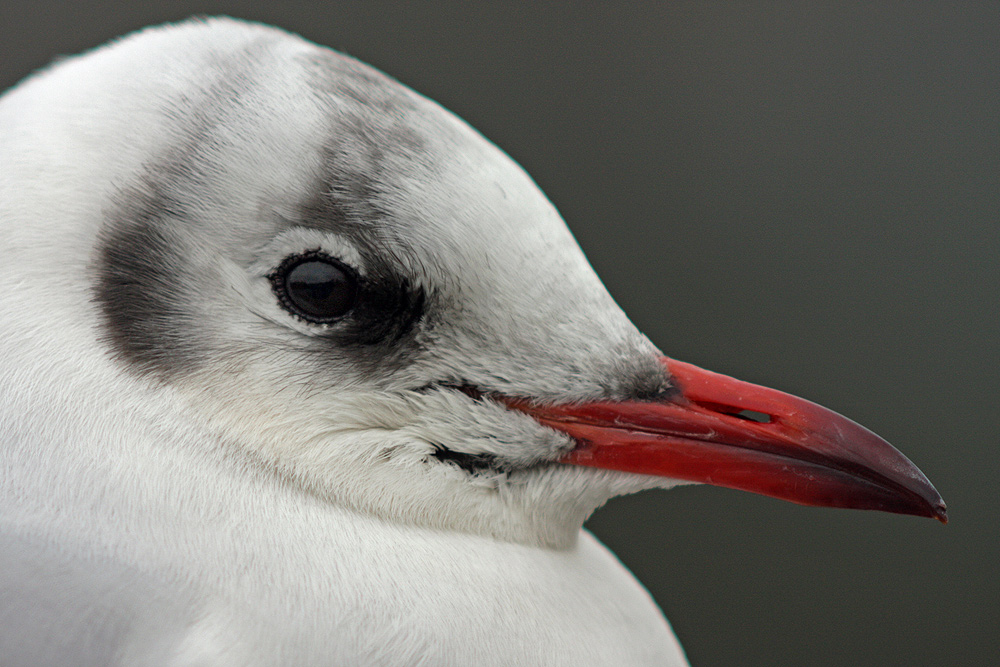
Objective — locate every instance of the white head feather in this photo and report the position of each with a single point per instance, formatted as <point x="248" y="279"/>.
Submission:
<point x="160" y="406"/>
<point x="146" y="198"/>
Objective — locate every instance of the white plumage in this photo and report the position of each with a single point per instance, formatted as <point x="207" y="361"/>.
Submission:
<point x="293" y="361"/>
<point x="248" y="508"/>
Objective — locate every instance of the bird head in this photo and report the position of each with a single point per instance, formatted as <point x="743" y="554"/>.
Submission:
<point x="355" y="291"/>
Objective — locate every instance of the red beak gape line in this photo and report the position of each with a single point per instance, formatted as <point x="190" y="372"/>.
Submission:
<point x="723" y="431"/>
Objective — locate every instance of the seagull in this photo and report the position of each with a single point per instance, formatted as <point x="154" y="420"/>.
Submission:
<point x="299" y="369"/>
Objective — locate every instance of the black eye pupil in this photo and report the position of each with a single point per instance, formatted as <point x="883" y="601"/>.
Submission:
<point x="319" y="290"/>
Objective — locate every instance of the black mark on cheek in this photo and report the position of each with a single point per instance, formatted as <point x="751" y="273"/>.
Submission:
<point x="470" y="463"/>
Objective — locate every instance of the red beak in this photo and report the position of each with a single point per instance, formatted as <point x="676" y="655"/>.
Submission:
<point x="722" y="431"/>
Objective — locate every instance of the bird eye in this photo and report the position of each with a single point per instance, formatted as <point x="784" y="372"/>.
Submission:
<point x="315" y="287"/>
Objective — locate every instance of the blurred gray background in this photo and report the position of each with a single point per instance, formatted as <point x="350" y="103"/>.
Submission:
<point x="800" y="194"/>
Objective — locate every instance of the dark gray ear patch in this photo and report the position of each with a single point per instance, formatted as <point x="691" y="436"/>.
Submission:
<point x="145" y="278"/>
<point x="149" y="320"/>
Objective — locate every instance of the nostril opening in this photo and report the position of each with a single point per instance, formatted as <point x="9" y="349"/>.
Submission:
<point x="754" y="416"/>
<point x="734" y="411"/>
